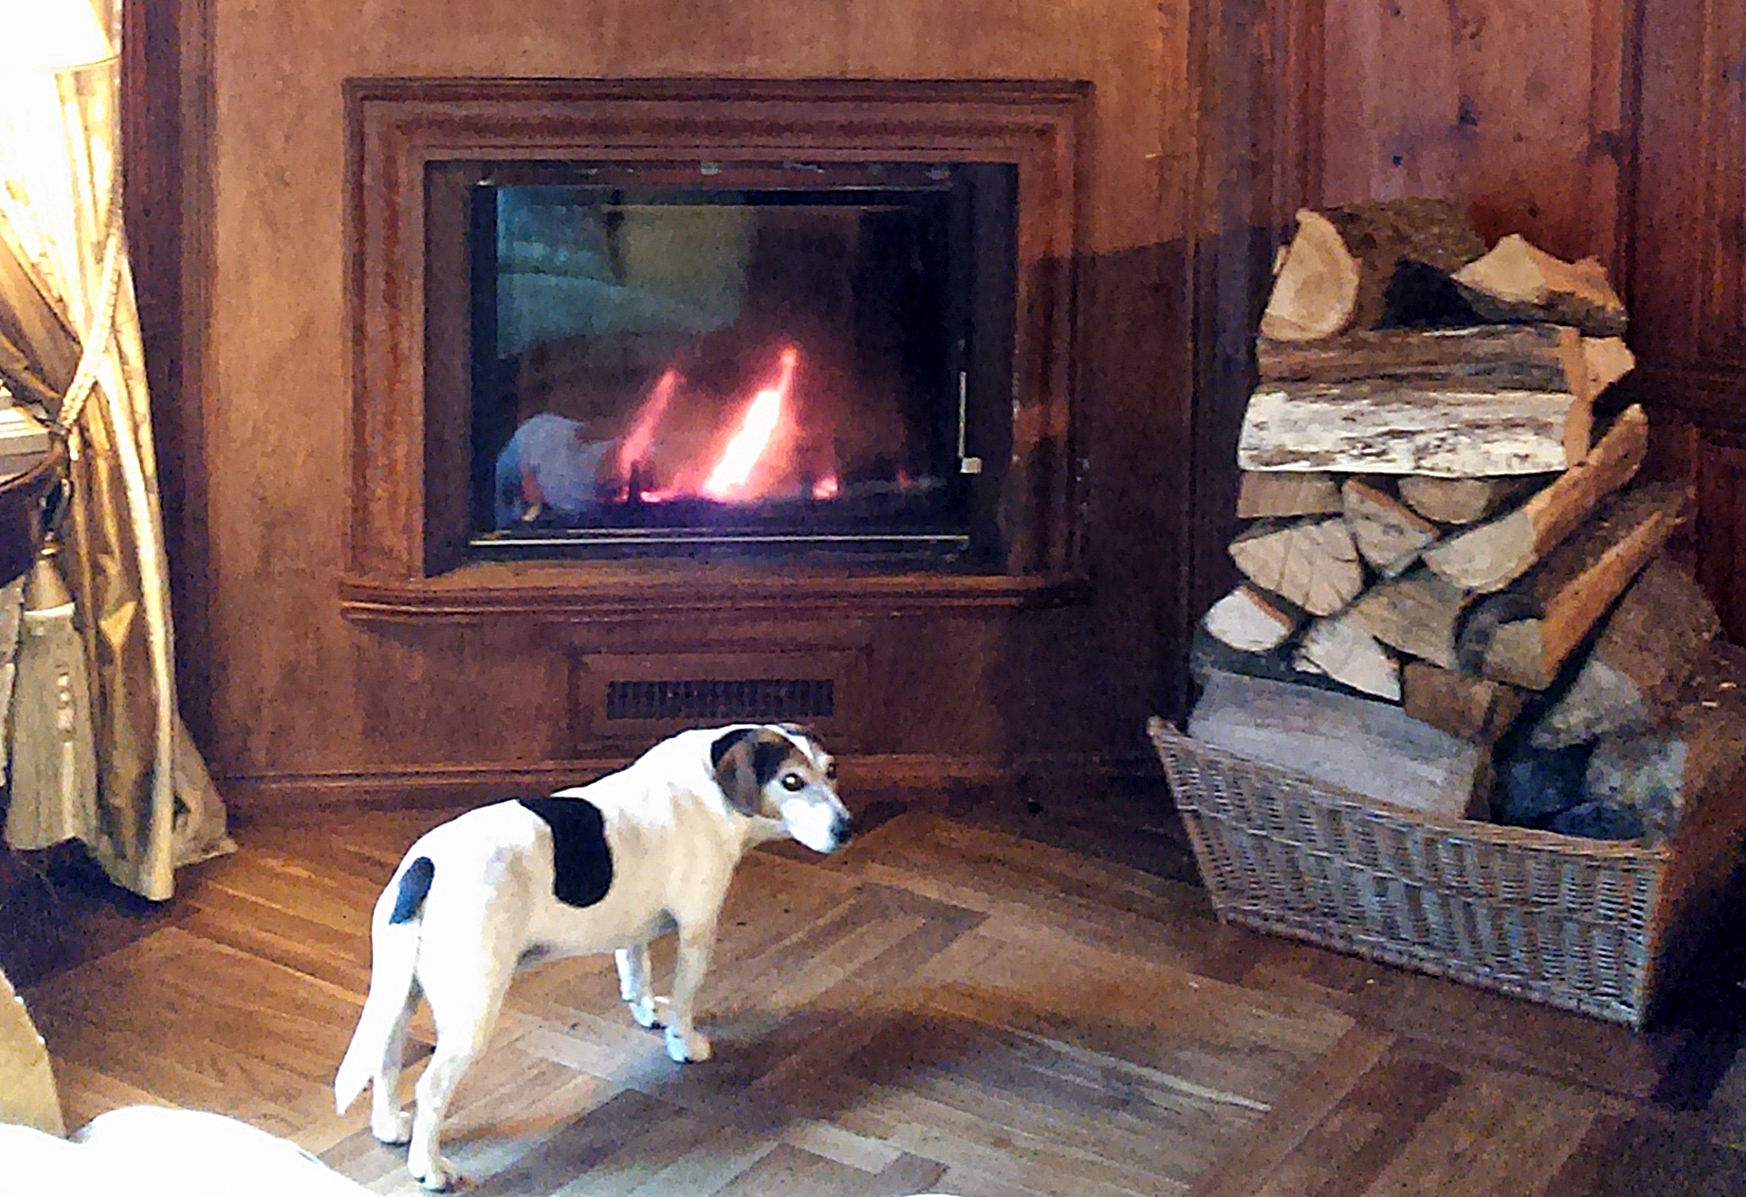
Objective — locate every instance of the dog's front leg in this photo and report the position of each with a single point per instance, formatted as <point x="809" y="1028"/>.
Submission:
<point x="634" y="985"/>
<point x="684" y="1043"/>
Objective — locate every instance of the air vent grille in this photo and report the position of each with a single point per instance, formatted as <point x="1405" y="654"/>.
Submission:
<point x="703" y="699"/>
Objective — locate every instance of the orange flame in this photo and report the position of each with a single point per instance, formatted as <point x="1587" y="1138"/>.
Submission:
<point x="828" y="487"/>
<point x="642" y="435"/>
<point x="763" y="416"/>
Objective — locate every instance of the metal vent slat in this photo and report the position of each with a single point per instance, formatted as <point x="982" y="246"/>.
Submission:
<point x="758" y="699"/>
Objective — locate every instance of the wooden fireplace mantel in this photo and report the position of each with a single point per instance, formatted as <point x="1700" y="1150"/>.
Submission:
<point x="407" y="550"/>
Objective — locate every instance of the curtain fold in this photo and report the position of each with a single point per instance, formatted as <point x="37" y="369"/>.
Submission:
<point x="60" y="219"/>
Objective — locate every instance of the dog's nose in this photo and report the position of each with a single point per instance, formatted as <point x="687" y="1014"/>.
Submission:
<point x="841" y="830"/>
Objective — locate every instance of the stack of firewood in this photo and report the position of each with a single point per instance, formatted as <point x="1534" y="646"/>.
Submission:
<point x="1436" y="522"/>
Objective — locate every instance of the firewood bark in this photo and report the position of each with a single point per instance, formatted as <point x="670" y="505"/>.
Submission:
<point x="1493" y="555"/>
<point x="1249" y="621"/>
<point x="1370" y="748"/>
<point x="1519" y="281"/>
<point x="1388" y="533"/>
<point x="1522" y="357"/>
<point x="1646" y="651"/>
<point x="1419" y="614"/>
<point x="1380" y="427"/>
<point x="1461" y="501"/>
<point x="1313" y="564"/>
<point x="1275" y="495"/>
<point x="1344" y="651"/>
<point x="1336" y="272"/>
<point x="1470" y="708"/>
<point x="1573" y="587"/>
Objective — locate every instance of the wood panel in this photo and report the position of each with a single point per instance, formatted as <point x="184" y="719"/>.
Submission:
<point x="258" y="445"/>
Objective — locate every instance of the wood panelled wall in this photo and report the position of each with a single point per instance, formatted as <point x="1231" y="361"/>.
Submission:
<point x="1607" y="127"/>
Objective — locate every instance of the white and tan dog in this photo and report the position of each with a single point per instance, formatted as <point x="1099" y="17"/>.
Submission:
<point x="602" y="867"/>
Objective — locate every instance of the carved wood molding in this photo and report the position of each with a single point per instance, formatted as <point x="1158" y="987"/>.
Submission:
<point x="397" y="128"/>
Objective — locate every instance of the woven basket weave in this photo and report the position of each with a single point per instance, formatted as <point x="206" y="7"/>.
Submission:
<point x="1580" y="924"/>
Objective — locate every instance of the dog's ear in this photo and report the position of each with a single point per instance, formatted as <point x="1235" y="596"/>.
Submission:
<point x="746" y="760"/>
<point x="731" y="757"/>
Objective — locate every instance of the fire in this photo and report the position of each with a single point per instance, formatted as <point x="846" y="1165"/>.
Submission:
<point x="636" y="443"/>
<point x="828" y="487"/>
<point x="763" y="417"/>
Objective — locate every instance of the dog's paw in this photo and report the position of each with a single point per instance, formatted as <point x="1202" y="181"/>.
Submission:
<point x="687" y="1049"/>
<point x="437" y="1175"/>
<point x="392" y="1128"/>
<point x="650" y="1012"/>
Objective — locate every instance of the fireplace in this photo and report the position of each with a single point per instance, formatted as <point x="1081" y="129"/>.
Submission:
<point x="629" y="348"/>
<point x="756" y="359"/>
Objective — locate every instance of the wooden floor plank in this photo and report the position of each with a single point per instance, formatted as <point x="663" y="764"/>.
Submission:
<point x="950" y="1004"/>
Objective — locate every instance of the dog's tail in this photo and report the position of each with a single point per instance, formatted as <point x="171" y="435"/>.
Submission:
<point x="394" y="938"/>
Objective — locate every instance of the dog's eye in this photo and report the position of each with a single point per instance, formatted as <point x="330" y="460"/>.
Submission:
<point x="792" y="782"/>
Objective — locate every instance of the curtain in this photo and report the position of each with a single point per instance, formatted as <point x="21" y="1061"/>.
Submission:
<point x="70" y="284"/>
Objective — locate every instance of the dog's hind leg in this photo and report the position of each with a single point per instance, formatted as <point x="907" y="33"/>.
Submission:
<point x="465" y="1015"/>
<point x="634" y="985"/>
<point x="685" y="1043"/>
<point x="388" y="1122"/>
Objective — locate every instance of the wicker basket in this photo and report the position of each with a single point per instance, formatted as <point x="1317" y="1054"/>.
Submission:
<point x="1588" y="925"/>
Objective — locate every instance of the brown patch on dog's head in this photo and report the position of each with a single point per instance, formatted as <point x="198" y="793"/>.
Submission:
<point x="747" y="760"/>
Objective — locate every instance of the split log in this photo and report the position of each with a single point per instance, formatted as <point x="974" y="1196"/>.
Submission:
<point x="1208" y="655"/>
<point x="1474" y="709"/>
<point x="1370" y="748"/>
<point x="1313" y="565"/>
<point x="1491" y="556"/>
<point x="1461" y="500"/>
<point x="1646" y="651"/>
<point x="1336" y="273"/>
<point x="1519" y="357"/>
<point x="1315" y="285"/>
<point x="1608" y="359"/>
<point x="1418" y="614"/>
<point x="1249" y="621"/>
<point x="1519" y="281"/>
<point x="1573" y="587"/>
<point x="1344" y="651"/>
<point x="1282" y="495"/>
<point x="1389" y="428"/>
<point x="1388" y="533"/>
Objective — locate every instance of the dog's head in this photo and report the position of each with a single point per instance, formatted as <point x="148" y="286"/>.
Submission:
<point x="780" y="773"/>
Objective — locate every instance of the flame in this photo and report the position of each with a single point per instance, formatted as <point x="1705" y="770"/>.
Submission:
<point x="763" y="416"/>
<point x="828" y="487"/>
<point x="642" y="434"/>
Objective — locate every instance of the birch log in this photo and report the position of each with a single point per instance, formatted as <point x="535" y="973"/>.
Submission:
<point x="1379" y="427"/>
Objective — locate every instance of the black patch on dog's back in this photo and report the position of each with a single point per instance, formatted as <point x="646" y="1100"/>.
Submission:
<point x="414" y="885"/>
<point x="581" y="857"/>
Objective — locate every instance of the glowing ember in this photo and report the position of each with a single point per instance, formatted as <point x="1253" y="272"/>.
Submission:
<point x="642" y="434"/>
<point x="827" y="487"/>
<point x="763" y="417"/>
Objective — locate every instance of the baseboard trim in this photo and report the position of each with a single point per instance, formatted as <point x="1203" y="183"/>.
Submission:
<point x="278" y="794"/>
<point x="462" y="785"/>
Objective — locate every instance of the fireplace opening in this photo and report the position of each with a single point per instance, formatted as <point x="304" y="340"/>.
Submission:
<point x="742" y="359"/>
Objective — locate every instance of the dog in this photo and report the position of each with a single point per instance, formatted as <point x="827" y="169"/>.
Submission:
<point x="602" y="867"/>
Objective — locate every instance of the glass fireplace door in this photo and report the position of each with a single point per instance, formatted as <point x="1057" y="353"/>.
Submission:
<point x="753" y="359"/>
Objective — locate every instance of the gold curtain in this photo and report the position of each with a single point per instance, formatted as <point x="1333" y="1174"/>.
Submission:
<point x="70" y="285"/>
